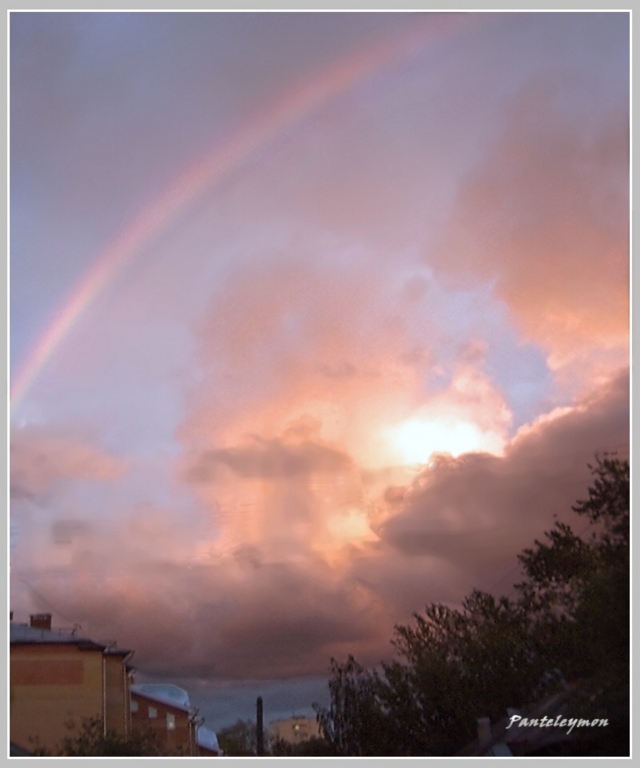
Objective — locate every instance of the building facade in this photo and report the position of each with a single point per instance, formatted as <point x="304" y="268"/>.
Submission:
<point x="57" y="680"/>
<point x="294" y="730"/>
<point x="165" y="710"/>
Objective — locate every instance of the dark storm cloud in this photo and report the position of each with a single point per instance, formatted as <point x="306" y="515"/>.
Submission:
<point x="270" y="458"/>
<point x="215" y="622"/>
<point x="64" y="532"/>
<point x="479" y="511"/>
<point x="248" y="615"/>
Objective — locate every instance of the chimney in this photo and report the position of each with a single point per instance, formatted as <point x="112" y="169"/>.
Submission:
<point x="40" y="620"/>
<point x="259" y="728"/>
<point x="484" y="730"/>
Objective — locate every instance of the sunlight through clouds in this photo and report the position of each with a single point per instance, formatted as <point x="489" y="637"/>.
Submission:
<point x="315" y="318"/>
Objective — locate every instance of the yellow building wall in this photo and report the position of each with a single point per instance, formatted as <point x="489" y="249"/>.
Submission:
<point x="117" y="697"/>
<point x="51" y="686"/>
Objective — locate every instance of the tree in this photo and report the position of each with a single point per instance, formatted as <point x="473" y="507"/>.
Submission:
<point x="452" y="667"/>
<point x="92" y="741"/>
<point x="455" y="665"/>
<point x="458" y="665"/>
<point x="581" y="593"/>
<point x="355" y="723"/>
<point x="239" y="739"/>
<point x="312" y="747"/>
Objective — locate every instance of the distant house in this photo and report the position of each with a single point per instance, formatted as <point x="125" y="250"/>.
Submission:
<point x="294" y="730"/>
<point x="58" y="679"/>
<point x="520" y="732"/>
<point x="207" y="742"/>
<point x="165" y="709"/>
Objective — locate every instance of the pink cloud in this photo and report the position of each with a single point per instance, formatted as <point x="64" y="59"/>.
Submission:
<point x="477" y="512"/>
<point x="41" y="460"/>
<point x="261" y="611"/>
<point x="546" y="218"/>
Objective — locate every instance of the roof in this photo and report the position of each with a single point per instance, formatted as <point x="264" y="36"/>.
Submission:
<point x="15" y="750"/>
<point x="208" y="739"/>
<point x="528" y="739"/>
<point x="165" y="693"/>
<point x="292" y="718"/>
<point x="500" y="750"/>
<point x="23" y="634"/>
<point x="112" y="651"/>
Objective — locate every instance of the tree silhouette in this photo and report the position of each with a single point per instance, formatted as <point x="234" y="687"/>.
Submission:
<point x="91" y="741"/>
<point x="569" y="621"/>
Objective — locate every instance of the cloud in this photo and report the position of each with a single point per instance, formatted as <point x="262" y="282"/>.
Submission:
<point x="270" y="458"/>
<point x="365" y="272"/>
<point x="41" y="460"/>
<point x="217" y="620"/>
<point x="294" y="338"/>
<point x="193" y="609"/>
<point x="545" y="217"/>
<point x="477" y="512"/>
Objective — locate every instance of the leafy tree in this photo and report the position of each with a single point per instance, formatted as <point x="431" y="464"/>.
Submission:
<point x="91" y="741"/>
<point x="458" y="665"/>
<point x="580" y="591"/>
<point x="570" y="620"/>
<point x="239" y="739"/>
<point x="312" y="747"/>
<point x="570" y="578"/>
<point x="355" y="724"/>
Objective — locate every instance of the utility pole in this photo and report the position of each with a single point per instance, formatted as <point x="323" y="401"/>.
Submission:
<point x="259" y="728"/>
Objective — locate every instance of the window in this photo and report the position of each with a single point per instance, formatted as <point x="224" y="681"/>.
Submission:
<point x="153" y="713"/>
<point x="134" y="705"/>
<point x="171" y="722"/>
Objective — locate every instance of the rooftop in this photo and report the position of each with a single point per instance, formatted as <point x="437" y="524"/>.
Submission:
<point x="165" y="693"/>
<point x="208" y="739"/>
<point x="24" y="634"/>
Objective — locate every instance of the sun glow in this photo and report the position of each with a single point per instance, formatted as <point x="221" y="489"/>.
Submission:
<point x="350" y="527"/>
<point x="417" y="440"/>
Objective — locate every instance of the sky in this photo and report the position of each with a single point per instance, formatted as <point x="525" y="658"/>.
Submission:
<point x="315" y="319"/>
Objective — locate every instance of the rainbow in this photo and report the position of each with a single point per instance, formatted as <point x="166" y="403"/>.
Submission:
<point x="225" y="158"/>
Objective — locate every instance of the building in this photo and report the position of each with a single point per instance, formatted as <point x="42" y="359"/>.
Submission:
<point x="207" y="742"/>
<point x="165" y="709"/>
<point x="58" y="679"/>
<point x="508" y="737"/>
<point x="294" y="730"/>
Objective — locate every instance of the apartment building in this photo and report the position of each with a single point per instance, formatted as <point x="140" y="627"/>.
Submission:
<point x="58" y="679"/>
<point x="165" y="709"/>
<point x="294" y="730"/>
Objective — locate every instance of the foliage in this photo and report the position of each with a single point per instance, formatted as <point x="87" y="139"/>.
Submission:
<point x="570" y="620"/>
<point x="591" y="638"/>
<point x="354" y="724"/>
<point x="91" y="741"/>
<point x="239" y="739"/>
<point x="312" y="747"/>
